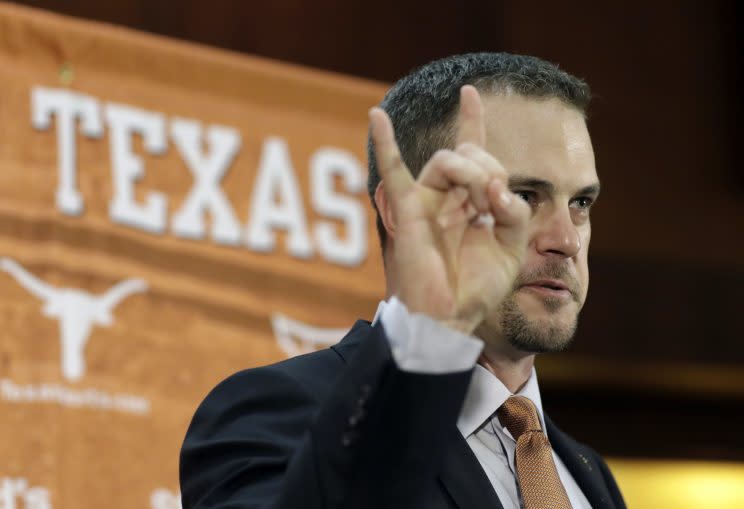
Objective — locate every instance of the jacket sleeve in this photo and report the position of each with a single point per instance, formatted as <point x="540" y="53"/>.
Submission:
<point x="260" y="440"/>
<point x="612" y="487"/>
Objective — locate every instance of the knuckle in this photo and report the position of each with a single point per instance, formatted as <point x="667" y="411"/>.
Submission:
<point x="497" y="166"/>
<point x="497" y="186"/>
<point x="483" y="178"/>
<point x="483" y="158"/>
<point x="441" y="156"/>
<point x="394" y="160"/>
<point x="468" y="149"/>
<point x="494" y="166"/>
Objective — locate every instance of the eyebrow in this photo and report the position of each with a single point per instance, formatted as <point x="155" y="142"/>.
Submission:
<point x="548" y="187"/>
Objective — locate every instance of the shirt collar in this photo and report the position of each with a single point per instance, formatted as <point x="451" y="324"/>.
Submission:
<point x="380" y="307"/>
<point x="486" y="394"/>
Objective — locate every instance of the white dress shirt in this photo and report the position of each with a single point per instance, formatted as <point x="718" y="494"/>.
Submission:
<point x="421" y="344"/>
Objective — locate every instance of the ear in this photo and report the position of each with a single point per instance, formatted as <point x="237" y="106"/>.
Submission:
<point x="385" y="209"/>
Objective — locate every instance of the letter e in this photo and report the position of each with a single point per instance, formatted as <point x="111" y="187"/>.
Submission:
<point x="123" y="122"/>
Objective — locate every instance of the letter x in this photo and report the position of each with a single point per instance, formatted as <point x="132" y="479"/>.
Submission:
<point x="208" y="171"/>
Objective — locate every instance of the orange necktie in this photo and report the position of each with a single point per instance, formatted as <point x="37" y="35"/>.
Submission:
<point x="539" y="483"/>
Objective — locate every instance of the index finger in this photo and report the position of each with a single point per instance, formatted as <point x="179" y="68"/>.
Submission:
<point x="471" y="126"/>
<point x="389" y="161"/>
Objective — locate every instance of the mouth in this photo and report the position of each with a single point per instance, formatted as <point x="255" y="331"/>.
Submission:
<point x="549" y="288"/>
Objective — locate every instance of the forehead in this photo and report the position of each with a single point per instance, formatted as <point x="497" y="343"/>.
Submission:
<point x="540" y="138"/>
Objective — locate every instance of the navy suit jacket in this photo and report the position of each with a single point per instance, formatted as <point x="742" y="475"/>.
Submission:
<point x="345" y="428"/>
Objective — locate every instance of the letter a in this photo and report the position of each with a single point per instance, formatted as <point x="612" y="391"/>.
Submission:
<point x="276" y="178"/>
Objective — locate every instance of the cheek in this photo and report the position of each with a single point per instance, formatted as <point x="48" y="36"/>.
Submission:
<point x="582" y="261"/>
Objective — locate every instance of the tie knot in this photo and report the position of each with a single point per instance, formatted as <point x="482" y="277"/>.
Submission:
<point x="519" y="415"/>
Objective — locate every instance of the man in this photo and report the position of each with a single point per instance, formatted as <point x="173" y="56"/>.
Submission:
<point x="482" y="173"/>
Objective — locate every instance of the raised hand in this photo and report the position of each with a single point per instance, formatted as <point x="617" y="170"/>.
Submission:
<point x="459" y="234"/>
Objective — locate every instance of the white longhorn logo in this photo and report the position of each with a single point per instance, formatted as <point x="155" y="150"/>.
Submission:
<point x="307" y="337"/>
<point x="76" y="310"/>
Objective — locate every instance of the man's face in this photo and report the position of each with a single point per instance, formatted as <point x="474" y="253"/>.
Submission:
<point x="545" y="148"/>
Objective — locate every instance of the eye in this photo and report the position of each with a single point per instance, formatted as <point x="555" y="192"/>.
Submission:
<point x="582" y="202"/>
<point x="529" y="196"/>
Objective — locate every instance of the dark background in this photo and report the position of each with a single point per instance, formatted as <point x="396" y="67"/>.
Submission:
<point x="658" y="363"/>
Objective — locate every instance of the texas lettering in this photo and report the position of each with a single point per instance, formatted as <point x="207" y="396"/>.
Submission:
<point x="207" y="153"/>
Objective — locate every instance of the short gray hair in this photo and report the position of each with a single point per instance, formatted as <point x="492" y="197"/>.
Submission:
<point x="422" y="104"/>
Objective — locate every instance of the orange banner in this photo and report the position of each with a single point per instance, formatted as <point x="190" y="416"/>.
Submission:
<point x="169" y="214"/>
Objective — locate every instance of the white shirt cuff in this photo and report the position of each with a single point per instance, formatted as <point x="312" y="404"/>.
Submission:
<point x="421" y="344"/>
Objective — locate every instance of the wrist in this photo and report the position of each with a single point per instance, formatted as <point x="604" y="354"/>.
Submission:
<point x="443" y="313"/>
<point x="464" y="325"/>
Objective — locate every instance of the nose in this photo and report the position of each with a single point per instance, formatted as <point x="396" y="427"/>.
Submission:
<point x="558" y="235"/>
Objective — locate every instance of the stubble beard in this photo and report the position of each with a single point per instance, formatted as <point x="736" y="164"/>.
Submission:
<point x="535" y="336"/>
<point x="551" y="333"/>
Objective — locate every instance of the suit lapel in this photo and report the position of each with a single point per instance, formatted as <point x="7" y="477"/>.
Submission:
<point x="464" y="479"/>
<point x="584" y="470"/>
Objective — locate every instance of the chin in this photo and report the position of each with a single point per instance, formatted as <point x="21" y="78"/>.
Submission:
<point x="563" y="319"/>
<point x="538" y="325"/>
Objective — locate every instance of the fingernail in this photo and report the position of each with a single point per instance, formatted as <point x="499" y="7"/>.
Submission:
<point x="504" y="198"/>
<point x="485" y="220"/>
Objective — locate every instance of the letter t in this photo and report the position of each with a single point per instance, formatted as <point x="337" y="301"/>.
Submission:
<point x="67" y="107"/>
